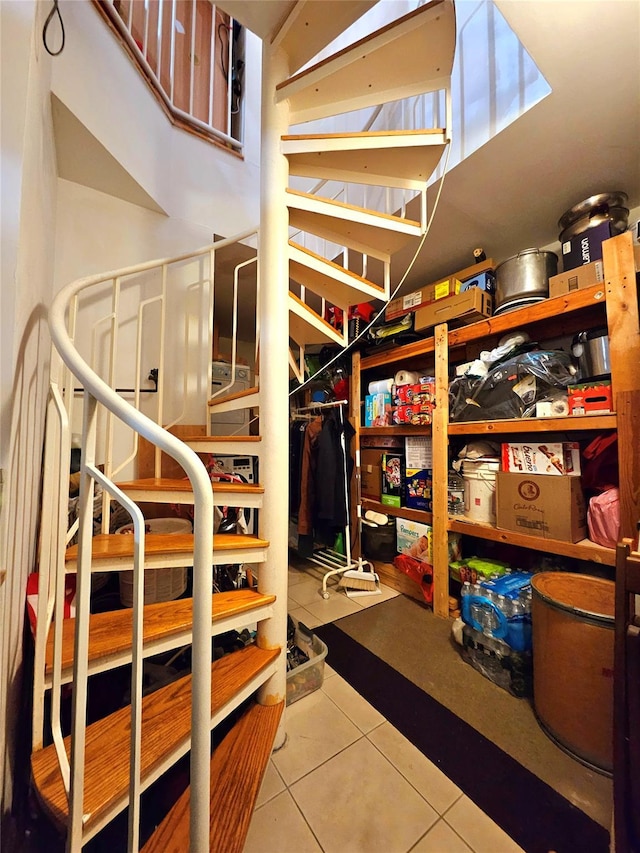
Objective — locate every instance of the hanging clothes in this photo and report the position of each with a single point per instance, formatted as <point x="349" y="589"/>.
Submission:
<point x="307" y="503"/>
<point x="332" y="496"/>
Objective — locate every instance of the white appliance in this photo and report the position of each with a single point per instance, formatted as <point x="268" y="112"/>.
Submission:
<point x="247" y="467"/>
<point x="230" y="423"/>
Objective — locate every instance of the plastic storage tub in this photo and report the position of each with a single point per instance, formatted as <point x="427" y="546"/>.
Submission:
<point x="307" y="677"/>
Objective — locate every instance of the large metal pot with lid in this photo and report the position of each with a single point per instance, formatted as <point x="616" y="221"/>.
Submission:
<point x="524" y="279"/>
<point x="593" y="211"/>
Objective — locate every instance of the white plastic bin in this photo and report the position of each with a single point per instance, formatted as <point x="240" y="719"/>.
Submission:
<point x="159" y="584"/>
<point x="480" y="489"/>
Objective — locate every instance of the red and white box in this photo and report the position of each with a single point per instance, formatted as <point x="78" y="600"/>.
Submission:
<point x="557" y="458"/>
<point x="590" y="398"/>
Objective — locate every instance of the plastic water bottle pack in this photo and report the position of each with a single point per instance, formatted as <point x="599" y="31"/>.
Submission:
<point x="501" y="608"/>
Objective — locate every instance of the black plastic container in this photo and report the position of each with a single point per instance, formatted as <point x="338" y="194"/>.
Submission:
<point x="379" y="543"/>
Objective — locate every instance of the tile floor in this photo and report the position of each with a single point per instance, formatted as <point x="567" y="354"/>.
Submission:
<point x="346" y="781"/>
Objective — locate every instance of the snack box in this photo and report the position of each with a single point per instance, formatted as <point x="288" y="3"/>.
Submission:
<point x="590" y="398"/>
<point x="392" y="478"/>
<point x="418" y="483"/>
<point x="420" y="392"/>
<point x="547" y="458"/>
<point x="418" y="415"/>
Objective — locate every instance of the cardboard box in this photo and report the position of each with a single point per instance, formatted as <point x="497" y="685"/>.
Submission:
<point x="473" y="304"/>
<point x="556" y="458"/>
<point x="414" y="539"/>
<point x="390" y="442"/>
<point x="575" y="279"/>
<point x="377" y="410"/>
<point x="485" y="281"/>
<point x="546" y="507"/>
<point x="428" y="293"/>
<point x="392" y="478"/>
<point x="586" y="247"/>
<point x="418" y="484"/>
<point x="371" y="473"/>
<point x="590" y="398"/>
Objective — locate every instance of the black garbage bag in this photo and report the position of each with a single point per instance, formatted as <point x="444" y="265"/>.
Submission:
<point x="512" y="388"/>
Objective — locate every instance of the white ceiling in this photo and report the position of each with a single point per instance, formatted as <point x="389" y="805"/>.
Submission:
<point x="584" y="138"/>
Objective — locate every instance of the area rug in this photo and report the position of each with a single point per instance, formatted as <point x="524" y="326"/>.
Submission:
<point x="419" y="654"/>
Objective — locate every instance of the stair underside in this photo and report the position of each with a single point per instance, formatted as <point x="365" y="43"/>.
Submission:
<point x="307" y="327"/>
<point x="237" y="769"/>
<point x="230" y="445"/>
<point x="409" y="56"/>
<point x="247" y="399"/>
<point x="166" y="727"/>
<point x="114" y="551"/>
<point x="377" y="234"/>
<point x="167" y="490"/>
<point x="300" y="29"/>
<point x="329" y="280"/>
<point x="404" y="159"/>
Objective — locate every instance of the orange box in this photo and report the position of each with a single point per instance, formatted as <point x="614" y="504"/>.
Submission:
<point x="590" y="398"/>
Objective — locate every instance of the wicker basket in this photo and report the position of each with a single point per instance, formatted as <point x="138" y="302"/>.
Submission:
<point x="159" y="584"/>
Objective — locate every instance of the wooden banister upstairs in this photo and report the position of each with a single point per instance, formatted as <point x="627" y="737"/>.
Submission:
<point x="243" y="693"/>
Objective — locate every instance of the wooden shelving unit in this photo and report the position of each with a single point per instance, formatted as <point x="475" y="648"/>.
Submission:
<point x="614" y="303"/>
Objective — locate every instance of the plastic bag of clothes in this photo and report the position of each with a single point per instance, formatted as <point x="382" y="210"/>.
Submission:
<point x="512" y="388"/>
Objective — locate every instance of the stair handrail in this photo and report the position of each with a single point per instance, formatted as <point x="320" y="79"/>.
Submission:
<point x="96" y="390"/>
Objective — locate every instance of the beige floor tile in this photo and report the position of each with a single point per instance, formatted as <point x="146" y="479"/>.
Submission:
<point x="333" y="608"/>
<point x="316" y="731"/>
<point x="478" y="830"/>
<point x="358" y="803"/>
<point x="441" y="839"/>
<point x="301" y="614"/>
<point x="272" y="785"/>
<point x="296" y="575"/>
<point x="306" y="592"/>
<point x="354" y="706"/>
<point x="278" y="827"/>
<point x="423" y="774"/>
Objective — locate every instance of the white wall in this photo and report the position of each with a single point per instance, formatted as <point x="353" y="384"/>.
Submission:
<point x="28" y="228"/>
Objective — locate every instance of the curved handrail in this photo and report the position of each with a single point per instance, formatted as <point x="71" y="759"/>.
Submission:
<point x="97" y="390"/>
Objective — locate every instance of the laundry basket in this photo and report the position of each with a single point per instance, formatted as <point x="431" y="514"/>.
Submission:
<point x="159" y="584"/>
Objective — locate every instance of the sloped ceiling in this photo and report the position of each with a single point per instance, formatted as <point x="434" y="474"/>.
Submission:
<point x="583" y="139"/>
<point x="81" y="158"/>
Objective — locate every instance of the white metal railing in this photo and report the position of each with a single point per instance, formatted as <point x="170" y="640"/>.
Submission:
<point x="70" y="371"/>
<point x="192" y="53"/>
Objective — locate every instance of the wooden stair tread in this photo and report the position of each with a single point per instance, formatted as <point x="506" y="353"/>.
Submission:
<point x="237" y="769"/>
<point x="403" y="159"/>
<point x="306" y="326"/>
<point x="110" y="633"/>
<point x="376" y="69"/>
<point x="108" y="545"/>
<point x="166" y="726"/>
<point x="161" y="484"/>
<point x="237" y="395"/>
<point x="337" y="285"/>
<point x="212" y="439"/>
<point x="368" y="231"/>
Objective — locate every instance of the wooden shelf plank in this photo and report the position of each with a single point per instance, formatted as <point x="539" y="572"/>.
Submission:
<point x="166" y="728"/>
<point x="399" y="355"/>
<point x="583" y="550"/>
<point x="397" y="511"/>
<point x="564" y="424"/>
<point x="110" y="633"/>
<point x="237" y="769"/>
<point x="398" y="429"/>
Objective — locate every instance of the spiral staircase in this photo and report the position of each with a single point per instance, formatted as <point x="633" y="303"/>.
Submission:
<point x="86" y="775"/>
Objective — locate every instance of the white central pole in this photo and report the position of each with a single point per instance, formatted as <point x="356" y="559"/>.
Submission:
<point x="273" y="276"/>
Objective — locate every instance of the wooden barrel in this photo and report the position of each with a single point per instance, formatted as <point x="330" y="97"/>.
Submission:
<point x="573" y="633"/>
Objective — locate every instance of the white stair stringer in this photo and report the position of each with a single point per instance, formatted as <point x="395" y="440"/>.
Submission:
<point x="410" y="56"/>
<point x="306" y="327"/>
<point x="403" y="159"/>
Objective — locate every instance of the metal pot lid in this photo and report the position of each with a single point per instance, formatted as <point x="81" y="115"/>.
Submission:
<point x="618" y="217"/>
<point x="583" y="208"/>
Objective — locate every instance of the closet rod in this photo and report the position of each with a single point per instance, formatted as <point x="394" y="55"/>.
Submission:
<point x="332" y="405"/>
